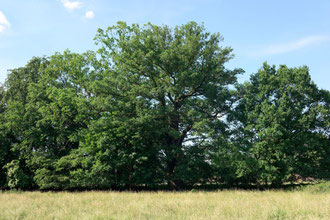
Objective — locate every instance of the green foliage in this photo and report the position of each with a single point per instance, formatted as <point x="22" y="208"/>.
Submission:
<point x="4" y="145"/>
<point x="16" y="178"/>
<point x="13" y="120"/>
<point x="280" y="124"/>
<point x="171" y="83"/>
<point x="156" y="106"/>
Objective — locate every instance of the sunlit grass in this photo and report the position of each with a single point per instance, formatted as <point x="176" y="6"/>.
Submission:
<point x="165" y="205"/>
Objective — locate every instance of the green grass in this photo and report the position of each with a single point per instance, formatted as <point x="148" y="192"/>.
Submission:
<point x="321" y="187"/>
<point x="229" y="204"/>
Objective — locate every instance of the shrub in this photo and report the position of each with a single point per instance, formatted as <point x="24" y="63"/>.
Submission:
<point x="16" y="178"/>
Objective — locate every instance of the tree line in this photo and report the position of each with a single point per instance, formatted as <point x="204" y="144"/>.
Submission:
<point x="156" y="107"/>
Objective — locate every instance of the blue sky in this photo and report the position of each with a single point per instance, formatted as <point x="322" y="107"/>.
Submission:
<point x="291" y="32"/>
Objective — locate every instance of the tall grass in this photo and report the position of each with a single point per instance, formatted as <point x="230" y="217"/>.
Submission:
<point x="231" y="204"/>
<point x="321" y="187"/>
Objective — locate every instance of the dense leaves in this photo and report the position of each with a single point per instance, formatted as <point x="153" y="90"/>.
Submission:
<point x="156" y="107"/>
<point x="279" y="127"/>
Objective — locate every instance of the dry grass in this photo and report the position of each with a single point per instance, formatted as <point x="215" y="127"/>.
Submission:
<point x="165" y="205"/>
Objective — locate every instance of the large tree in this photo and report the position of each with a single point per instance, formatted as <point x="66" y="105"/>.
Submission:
<point x="46" y="106"/>
<point x="156" y="106"/>
<point x="14" y="122"/>
<point x="280" y="127"/>
<point x="173" y="79"/>
<point x="58" y="110"/>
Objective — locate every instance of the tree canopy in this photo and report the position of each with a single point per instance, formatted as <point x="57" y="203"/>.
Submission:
<point x="156" y="107"/>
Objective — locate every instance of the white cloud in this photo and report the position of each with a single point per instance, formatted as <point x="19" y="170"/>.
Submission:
<point x="71" y="5"/>
<point x="291" y="46"/>
<point x="89" y="14"/>
<point x="3" y="22"/>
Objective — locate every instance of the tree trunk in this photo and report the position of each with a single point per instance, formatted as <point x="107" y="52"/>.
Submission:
<point x="171" y="164"/>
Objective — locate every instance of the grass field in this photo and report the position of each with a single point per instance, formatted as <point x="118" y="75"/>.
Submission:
<point x="231" y="204"/>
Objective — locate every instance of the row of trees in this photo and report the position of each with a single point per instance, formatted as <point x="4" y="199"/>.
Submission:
<point x="155" y="106"/>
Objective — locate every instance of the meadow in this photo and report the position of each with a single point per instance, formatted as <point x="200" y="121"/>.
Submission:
<point x="227" y="204"/>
